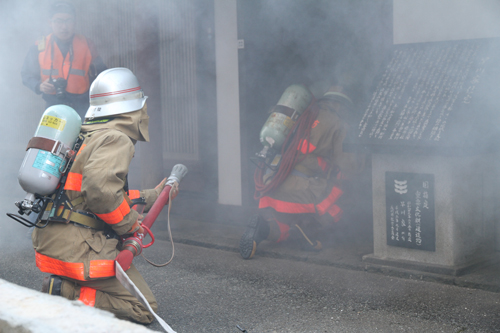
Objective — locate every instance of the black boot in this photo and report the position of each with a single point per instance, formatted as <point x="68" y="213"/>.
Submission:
<point x="52" y="285"/>
<point x="256" y="232"/>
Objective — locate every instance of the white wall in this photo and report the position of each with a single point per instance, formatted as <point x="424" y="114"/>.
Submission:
<point x="228" y="103"/>
<point x="417" y="21"/>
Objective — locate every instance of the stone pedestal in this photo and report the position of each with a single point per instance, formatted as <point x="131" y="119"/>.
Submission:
<point x="464" y="203"/>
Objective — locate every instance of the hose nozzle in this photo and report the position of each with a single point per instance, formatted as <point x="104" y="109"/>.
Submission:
<point x="178" y="172"/>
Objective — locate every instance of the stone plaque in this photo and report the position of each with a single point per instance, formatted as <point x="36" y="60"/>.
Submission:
<point x="434" y="97"/>
<point x="410" y="210"/>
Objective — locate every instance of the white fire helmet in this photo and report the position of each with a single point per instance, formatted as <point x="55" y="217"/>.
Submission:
<point x="115" y="91"/>
<point x="337" y="92"/>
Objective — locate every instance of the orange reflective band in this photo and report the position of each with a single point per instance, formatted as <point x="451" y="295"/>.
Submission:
<point x="73" y="182"/>
<point x="87" y="296"/>
<point x="336" y="212"/>
<point x="322" y="163"/>
<point x="101" y="268"/>
<point x="306" y="147"/>
<point x="286" y="207"/>
<point x="330" y="200"/>
<point x="50" y="265"/>
<point x="284" y="231"/>
<point x="134" y="194"/>
<point x="117" y="215"/>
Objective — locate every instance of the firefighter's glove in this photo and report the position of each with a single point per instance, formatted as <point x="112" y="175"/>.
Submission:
<point x="160" y="186"/>
<point x="168" y="181"/>
<point x="137" y="226"/>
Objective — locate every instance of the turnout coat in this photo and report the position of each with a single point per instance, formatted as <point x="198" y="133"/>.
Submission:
<point x="315" y="184"/>
<point x="96" y="186"/>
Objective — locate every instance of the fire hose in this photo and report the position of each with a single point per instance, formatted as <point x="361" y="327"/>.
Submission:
<point x="132" y="246"/>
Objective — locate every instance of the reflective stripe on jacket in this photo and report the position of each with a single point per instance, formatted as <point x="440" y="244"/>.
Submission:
<point x="75" y="270"/>
<point x="78" y="79"/>
<point x="99" y="173"/>
<point x="326" y="206"/>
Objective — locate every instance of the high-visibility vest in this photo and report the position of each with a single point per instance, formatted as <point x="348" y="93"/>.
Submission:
<point x="56" y="67"/>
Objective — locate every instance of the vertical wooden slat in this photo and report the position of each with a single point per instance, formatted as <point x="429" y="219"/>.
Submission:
<point x="178" y="80"/>
<point x="111" y="25"/>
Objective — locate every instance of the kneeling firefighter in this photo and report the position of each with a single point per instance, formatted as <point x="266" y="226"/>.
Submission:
<point x="80" y="249"/>
<point x="300" y="195"/>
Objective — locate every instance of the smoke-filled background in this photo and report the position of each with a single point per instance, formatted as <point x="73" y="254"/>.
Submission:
<point x="159" y="41"/>
<point x="170" y="45"/>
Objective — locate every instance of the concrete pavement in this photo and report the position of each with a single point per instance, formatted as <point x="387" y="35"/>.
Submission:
<point x="209" y="288"/>
<point x="344" y="249"/>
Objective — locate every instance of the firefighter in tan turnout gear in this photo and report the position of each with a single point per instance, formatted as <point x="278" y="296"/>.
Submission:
<point x="295" y="204"/>
<point x="80" y="254"/>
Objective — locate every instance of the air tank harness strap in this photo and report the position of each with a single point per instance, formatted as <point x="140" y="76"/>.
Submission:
<point x="301" y="171"/>
<point x="66" y="214"/>
<point x="297" y="173"/>
<point x="38" y="142"/>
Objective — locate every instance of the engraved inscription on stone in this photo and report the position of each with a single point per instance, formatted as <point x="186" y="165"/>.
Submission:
<point x="421" y="87"/>
<point x="410" y="210"/>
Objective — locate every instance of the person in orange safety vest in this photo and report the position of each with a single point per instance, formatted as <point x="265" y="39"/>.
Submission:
<point x="62" y="65"/>
<point x="80" y="254"/>
<point x="307" y="201"/>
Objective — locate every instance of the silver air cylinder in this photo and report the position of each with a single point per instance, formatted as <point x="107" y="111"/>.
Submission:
<point x="41" y="169"/>
<point x="295" y="100"/>
<point x="291" y="105"/>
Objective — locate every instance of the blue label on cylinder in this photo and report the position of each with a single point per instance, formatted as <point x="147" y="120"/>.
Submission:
<point x="48" y="162"/>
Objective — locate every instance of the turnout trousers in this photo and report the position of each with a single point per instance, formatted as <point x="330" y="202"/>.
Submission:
<point x="111" y="296"/>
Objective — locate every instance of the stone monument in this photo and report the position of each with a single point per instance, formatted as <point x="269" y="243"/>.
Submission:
<point x="432" y="127"/>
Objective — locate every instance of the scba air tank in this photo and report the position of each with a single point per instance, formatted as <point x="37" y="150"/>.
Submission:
<point x="294" y="101"/>
<point x="55" y="136"/>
